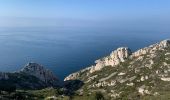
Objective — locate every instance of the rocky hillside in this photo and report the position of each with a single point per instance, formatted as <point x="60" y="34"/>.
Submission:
<point x="31" y="76"/>
<point x="126" y="75"/>
<point x="41" y="73"/>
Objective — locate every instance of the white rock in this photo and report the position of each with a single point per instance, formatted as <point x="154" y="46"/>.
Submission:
<point x="146" y="77"/>
<point x="115" y="58"/>
<point x="130" y="84"/>
<point x="165" y="79"/>
<point x="121" y="73"/>
<point x="157" y="71"/>
<point x="141" y="91"/>
<point x="52" y="98"/>
<point x="152" y="48"/>
<point x="142" y="78"/>
<point x="146" y="92"/>
<point x="167" y="54"/>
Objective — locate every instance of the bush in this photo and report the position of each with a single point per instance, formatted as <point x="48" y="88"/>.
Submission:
<point x="6" y="86"/>
<point x="97" y="96"/>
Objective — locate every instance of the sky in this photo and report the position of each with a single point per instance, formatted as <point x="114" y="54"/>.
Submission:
<point x="84" y="13"/>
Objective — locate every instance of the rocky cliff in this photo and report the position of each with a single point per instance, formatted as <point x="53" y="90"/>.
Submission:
<point x="31" y="76"/>
<point x="115" y="58"/>
<point x="126" y="75"/>
<point x="40" y="72"/>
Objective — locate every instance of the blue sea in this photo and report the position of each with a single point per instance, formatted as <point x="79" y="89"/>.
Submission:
<point x="66" y="50"/>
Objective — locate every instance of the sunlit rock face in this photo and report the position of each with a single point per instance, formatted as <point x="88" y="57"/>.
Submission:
<point x="115" y="58"/>
<point x="152" y="48"/>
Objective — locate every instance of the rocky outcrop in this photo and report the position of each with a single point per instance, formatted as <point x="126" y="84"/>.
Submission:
<point x="77" y="74"/>
<point x="115" y="58"/>
<point x="72" y="76"/>
<point x="40" y="72"/>
<point x="152" y="48"/>
<point x="32" y="76"/>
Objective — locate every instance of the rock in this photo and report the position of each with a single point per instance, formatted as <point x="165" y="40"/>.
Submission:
<point x="51" y="98"/>
<point x="72" y="76"/>
<point x="164" y="43"/>
<point x="167" y="54"/>
<point x="31" y="76"/>
<point x="75" y="75"/>
<point x="130" y="84"/>
<point x="112" y="83"/>
<point x="156" y="93"/>
<point x="140" y="90"/>
<point x="152" y="48"/>
<point x="140" y="52"/>
<point x="40" y="72"/>
<point x="114" y="94"/>
<point x="157" y="72"/>
<point x="115" y="58"/>
<point x="121" y="73"/>
<point x="165" y="79"/>
<point x="146" y="77"/>
<point x="142" y="78"/>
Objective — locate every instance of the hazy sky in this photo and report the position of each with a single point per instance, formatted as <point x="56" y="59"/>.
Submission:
<point x="84" y="12"/>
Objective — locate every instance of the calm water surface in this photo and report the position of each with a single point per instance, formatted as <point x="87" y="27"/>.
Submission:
<point x="66" y="50"/>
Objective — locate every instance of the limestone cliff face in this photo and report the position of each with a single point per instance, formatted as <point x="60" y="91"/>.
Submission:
<point x="40" y="72"/>
<point x="123" y="53"/>
<point x="115" y="58"/>
<point x="152" y="48"/>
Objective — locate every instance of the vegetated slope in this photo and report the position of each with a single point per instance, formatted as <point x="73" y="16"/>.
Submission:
<point x="126" y="75"/>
